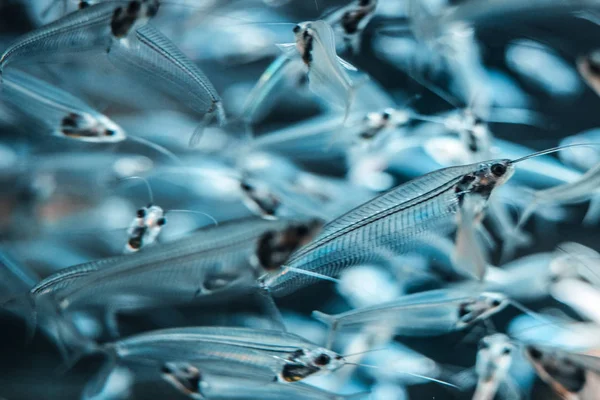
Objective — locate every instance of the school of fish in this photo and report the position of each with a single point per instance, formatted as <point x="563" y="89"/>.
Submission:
<point x="285" y="199"/>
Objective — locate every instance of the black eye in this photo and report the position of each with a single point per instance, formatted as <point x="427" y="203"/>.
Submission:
<point x="296" y="29"/>
<point x="141" y="213"/>
<point x="496" y="303"/>
<point x="386" y="115"/>
<point x="161" y="221"/>
<point x="498" y="169"/>
<point x="134" y="7"/>
<point x="322" y="359"/>
<point x="135" y="243"/>
<point x="506" y="350"/>
<point x="165" y="369"/>
<point x="535" y="353"/>
<point x="110" y="132"/>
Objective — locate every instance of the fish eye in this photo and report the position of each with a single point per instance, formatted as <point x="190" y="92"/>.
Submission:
<point x="296" y="29"/>
<point x="110" y="132"/>
<point x="322" y="359"/>
<point x="506" y="350"/>
<point x="135" y="243"/>
<point x="161" y="221"/>
<point x="166" y="369"/>
<point x="535" y="353"/>
<point x="498" y="169"/>
<point x="496" y="303"/>
<point x="246" y="186"/>
<point x="134" y="7"/>
<point x="141" y="213"/>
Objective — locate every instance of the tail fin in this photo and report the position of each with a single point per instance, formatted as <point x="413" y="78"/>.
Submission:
<point x="331" y="321"/>
<point x="104" y="382"/>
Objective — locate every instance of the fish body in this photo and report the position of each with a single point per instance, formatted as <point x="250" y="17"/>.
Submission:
<point x="91" y="29"/>
<point x="57" y="111"/>
<point x="392" y="221"/>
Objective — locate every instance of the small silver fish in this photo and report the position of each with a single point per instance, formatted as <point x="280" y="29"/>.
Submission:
<point x="327" y="76"/>
<point x="56" y="111"/>
<point x="289" y="357"/>
<point x="431" y="313"/>
<point x="200" y="381"/>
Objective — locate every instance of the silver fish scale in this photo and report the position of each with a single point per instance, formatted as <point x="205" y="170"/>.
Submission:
<point x="154" y="55"/>
<point x="79" y="31"/>
<point x="394" y="232"/>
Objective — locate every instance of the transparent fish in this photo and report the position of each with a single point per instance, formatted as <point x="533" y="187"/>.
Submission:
<point x="56" y="111"/>
<point x="92" y="29"/>
<point x="429" y="313"/>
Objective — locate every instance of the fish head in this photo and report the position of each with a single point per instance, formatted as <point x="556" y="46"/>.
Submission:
<point x="486" y="177"/>
<point x="90" y="128"/>
<point x="304" y="34"/>
<point x="128" y="18"/>
<point x="145" y="227"/>
<point x="555" y="368"/>
<point x="493" y="357"/>
<point x="184" y="377"/>
<point x="480" y="307"/>
<point x="275" y="247"/>
<point x="303" y="363"/>
<point x="257" y="196"/>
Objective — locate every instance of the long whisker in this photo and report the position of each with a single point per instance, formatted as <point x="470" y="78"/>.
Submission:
<point x="215" y="222"/>
<point x="554" y="150"/>
<point x="428" y="378"/>
<point x="363" y="352"/>
<point x="148" y="187"/>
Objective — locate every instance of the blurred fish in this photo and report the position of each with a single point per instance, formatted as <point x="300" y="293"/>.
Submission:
<point x="215" y="262"/>
<point x="203" y="383"/>
<point x="56" y="111"/>
<point x="289" y="357"/>
<point x="430" y="313"/>
<point x="572" y="375"/>
<point x="327" y="76"/>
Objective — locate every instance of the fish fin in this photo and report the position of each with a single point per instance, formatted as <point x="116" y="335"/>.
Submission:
<point x="592" y="215"/>
<point x="511" y="242"/>
<point x="289" y="49"/>
<point x="218" y="113"/>
<point x="331" y="322"/>
<point x="96" y="385"/>
<point x="347" y="65"/>
<point x="349" y="101"/>
<point x="266" y="300"/>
